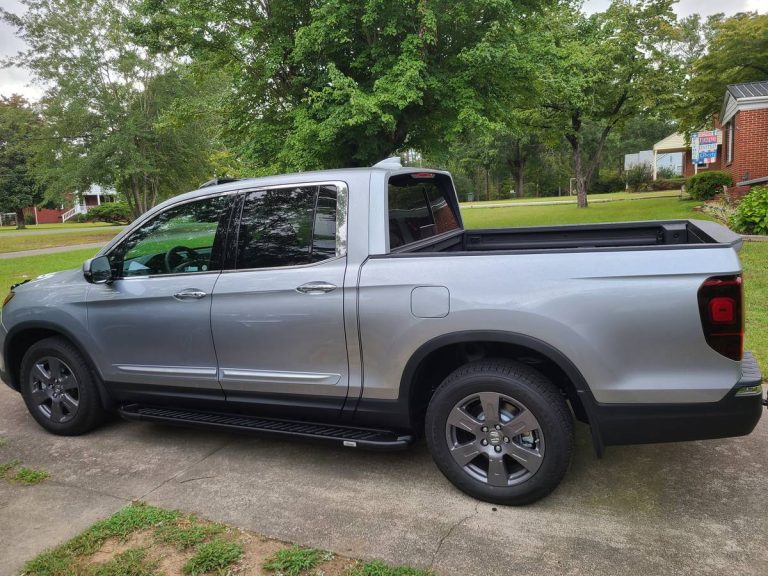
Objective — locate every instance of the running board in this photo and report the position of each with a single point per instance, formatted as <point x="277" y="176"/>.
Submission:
<point x="348" y="436"/>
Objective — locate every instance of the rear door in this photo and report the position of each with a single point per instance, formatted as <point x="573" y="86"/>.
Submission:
<point x="277" y="314"/>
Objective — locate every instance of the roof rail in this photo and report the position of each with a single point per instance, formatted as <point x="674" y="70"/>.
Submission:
<point x="392" y="163"/>
<point x="217" y="181"/>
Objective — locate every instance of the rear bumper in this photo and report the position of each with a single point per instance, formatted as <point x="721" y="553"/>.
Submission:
<point x="735" y="415"/>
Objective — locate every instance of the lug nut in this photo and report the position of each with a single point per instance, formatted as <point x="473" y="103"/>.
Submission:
<point x="484" y="442"/>
<point x="506" y="440"/>
<point x="497" y="427"/>
<point x="498" y="448"/>
<point x="484" y="428"/>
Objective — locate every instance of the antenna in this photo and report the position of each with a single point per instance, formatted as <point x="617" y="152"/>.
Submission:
<point x="391" y="163"/>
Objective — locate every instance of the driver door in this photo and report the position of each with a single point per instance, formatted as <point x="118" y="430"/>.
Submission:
<point x="153" y="322"/>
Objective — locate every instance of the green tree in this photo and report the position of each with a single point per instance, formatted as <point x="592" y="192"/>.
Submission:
<point x="114" y="113"/>
<point x="737" y="52"/>
<point x="599" y="71"/>
<point x="19" y="125"/>
<point x="343" y="82"/>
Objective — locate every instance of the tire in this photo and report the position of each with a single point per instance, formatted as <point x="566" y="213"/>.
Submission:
<point x="517" y="455"/>
<point x="59" y="388"/>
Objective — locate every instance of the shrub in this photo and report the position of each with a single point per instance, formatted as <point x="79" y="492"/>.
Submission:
<point x="752" y="214"/>
<point x="666" y="173"/>
<point x="638" y="177"/>
<point x="112" y="212"/>
<point x="705" y="185"/>
<point x="667" y="184"/>
<point x="607" y="183"/>
<point x="29" y="219"/>
<point x="723" y="209"/>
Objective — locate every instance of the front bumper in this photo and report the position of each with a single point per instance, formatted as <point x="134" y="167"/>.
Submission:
<point x="735" y="415"/>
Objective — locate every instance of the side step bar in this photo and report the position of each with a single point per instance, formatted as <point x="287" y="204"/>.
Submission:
<point x="351" y="437"/>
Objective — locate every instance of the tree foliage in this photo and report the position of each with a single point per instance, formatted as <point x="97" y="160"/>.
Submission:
<point x="343" y="82"/>
<point x="601" y="70"/>
<point x="737" y="52"/>
<point x="116" y="114"/>
<point x="19" y="126"/>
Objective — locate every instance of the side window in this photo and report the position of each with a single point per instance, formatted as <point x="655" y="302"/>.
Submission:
<point x="289" y="227"/>
<point x="180" y="240"/>
<point x="419" y="207"/>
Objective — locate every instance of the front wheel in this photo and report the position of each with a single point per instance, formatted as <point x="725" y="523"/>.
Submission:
<point x="59" y="388"/>
<point x="500" y="431"/>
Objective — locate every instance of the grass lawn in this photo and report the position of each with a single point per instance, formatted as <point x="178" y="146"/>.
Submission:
<point x="608" y="196"/>
<point x="13" y="270"/>
<point x="32" y="242"/>
<point x="657" y="209"/>
<point x="754" y="259"/>
<point x="63" y="226"/>
<point x="142" y="540"/>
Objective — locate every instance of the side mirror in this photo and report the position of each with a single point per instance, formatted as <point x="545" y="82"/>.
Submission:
<point x="97" y="270"/>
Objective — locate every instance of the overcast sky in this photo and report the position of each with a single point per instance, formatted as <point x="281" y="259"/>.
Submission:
<point x="17" y="80"/>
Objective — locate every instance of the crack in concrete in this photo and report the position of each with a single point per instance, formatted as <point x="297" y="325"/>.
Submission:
<point x="195" y="478"/>
<point x="449" y="532"/>
<point x="180" y="472"/>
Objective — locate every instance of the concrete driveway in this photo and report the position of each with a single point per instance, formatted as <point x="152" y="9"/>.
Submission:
<point x="697" y="508"/>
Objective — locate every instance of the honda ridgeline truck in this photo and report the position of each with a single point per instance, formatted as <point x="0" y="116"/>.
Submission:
<point x="352" y="306"/>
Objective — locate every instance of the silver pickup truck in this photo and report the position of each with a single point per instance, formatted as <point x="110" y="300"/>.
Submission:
<point x="352" y="306"/>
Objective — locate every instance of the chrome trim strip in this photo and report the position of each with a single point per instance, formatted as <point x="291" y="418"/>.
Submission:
<point x="244" y="375"/>
<point x="168" y="370"/>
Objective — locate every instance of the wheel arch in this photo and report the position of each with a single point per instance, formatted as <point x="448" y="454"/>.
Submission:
<point x="434" y="360"/>
<point x="24" y="335"/>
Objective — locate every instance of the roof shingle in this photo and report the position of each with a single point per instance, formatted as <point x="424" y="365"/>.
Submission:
<point x="749" y="90"/>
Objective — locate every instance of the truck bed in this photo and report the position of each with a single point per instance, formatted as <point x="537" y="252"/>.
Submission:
<point x="624" y="235"/>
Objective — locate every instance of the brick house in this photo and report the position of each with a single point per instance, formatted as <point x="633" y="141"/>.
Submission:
<point x="77" y="203"/>
<point x="745" y="128"/>
<point x="742" y="140"/>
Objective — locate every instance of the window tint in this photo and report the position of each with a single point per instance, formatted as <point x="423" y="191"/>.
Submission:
<point x="179" y="240"/>
<point x="288" y="227"/>
<point x="419" y="208"/>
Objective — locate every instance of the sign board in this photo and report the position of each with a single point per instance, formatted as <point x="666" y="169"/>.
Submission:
<point x="704" y="147"/>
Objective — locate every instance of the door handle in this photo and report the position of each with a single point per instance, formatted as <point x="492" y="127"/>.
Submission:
<point x="189" y="294"/>
<point x="316" y="288"/>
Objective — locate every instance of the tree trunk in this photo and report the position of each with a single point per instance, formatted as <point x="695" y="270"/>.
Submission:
<point x="516" y="164"/>
<point x="20" y="223"/>
<point x="578" y="168"/>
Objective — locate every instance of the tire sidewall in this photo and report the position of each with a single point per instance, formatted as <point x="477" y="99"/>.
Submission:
<point x="88" y="403"/>
<point x="557" y="432"/>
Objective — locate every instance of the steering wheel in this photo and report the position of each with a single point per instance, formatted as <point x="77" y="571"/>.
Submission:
<point x="174" y="261"/>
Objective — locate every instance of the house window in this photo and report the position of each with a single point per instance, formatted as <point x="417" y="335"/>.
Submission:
<point x="729" y="140"/>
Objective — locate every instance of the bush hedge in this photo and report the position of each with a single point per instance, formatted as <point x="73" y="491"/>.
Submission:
<point x="607" y="183"/>
<point x="667" y="184"/>
<point x="705" y="185"/>
<point x="112" y="212"/>
<point x="752" y="214"/>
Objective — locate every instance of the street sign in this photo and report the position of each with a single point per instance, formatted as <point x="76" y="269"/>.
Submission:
<point x="704" y="147"/>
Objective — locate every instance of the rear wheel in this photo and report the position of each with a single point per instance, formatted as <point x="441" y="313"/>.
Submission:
<point x="500" y="432"/>
<point x="59" y="389"/>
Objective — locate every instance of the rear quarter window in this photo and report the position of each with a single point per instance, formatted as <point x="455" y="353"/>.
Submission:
<point x="419" y="207"/>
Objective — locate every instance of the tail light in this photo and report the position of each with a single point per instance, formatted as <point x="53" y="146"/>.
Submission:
<point x="721" y="307"/>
